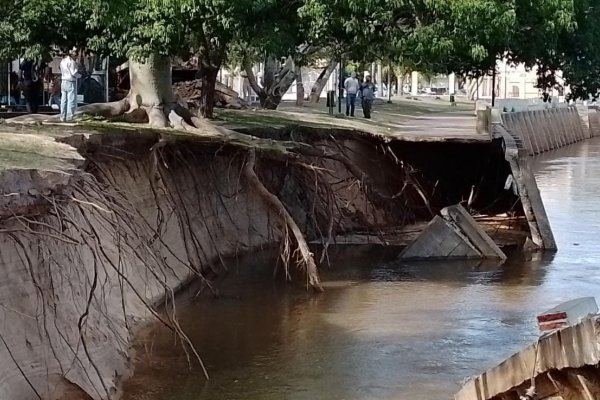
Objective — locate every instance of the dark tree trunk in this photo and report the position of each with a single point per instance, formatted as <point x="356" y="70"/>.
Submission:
<point x="321" y="82"/>
<point x="276" y="83"/>
<point x="208" y="75"/>
<point x="270" y="102"/>
<point x="299" y="87"/>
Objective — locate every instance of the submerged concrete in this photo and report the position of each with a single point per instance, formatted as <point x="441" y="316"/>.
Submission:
<point x="455" y="236"/>
<point x="524" y="184"/>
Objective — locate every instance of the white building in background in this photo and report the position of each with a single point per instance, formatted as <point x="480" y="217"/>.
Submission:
<point x="515" y="82"/>
<point x="511" y="82"/>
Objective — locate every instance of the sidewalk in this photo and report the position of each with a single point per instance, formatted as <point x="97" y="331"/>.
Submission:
<point x="425" y="119"/>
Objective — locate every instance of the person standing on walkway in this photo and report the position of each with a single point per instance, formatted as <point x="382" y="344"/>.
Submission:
<point x="30" y="85"/>
<point x="69" y="75"/>
<point x="352" y="86"/>
<point x="368" y="94"/>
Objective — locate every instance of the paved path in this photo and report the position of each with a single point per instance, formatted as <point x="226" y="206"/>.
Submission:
<point x="405" y="119"/>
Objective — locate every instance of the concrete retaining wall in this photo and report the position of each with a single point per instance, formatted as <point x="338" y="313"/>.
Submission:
<point x="544" y="130"/>
<point x="518" y="105"/>
<point x="594" y="121"/>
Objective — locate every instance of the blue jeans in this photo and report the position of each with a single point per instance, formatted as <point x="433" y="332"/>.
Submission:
<point x="67" y="100"/>
<point x="350" y="104"/>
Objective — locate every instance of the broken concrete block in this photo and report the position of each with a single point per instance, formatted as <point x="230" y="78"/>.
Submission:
<point x="440" y="240"/>
<point x="457" y="236"/>
<point x="475" y="234"/>
<point x="567" y="314"/>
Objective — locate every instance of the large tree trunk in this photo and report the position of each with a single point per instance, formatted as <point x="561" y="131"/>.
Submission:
<point x="321" y="82"/>
<point x="150" y="99"/>
<point x="400" y="85"/>
<point x="151" y="89"/>
<point x="208" y="75"/>
<point x="299" y="87"/>
<point x="275" y="85"/>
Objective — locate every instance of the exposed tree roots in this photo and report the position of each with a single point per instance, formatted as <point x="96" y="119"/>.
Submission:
<point x="130" y="231"/>
<point x="304" y="257"/>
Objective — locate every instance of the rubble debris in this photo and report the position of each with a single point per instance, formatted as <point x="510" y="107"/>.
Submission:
<point x="225" y="97"/>
<point x="457" y="235"/>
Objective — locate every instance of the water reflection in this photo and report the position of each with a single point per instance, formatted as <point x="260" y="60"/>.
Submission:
<point x="383" y="329"/>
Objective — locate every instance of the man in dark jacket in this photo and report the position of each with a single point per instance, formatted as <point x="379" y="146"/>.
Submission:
<point x="368" y="94"/>
<point x="30" y="85"/>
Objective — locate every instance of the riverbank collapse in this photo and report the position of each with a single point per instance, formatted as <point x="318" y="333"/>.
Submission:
<point x="101" y="225"/>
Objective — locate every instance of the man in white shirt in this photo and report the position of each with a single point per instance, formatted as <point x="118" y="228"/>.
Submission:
<point x="69" y="75"/>
<point x="352" y="86"/>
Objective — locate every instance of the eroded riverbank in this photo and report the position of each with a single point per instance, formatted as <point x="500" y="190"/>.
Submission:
<point x="97" y="235"/>
<point x="384" y="330"/>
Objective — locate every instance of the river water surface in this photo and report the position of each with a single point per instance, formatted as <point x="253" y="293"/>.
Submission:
<point x="382" y="329"/>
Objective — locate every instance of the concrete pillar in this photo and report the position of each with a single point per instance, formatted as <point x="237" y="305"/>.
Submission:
<point x="414" y="87"/>
<point x="452" y="83"/>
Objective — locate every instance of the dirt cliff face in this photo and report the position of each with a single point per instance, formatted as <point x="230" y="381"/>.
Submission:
<point x="120" y="226"/>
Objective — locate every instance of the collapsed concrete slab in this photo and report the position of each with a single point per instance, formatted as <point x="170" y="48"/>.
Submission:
<point x="531" y="199"/>
<point x="567" y="314"/>
<point x="561" y="365"/>
<point x="457" y="235"/>
<point x="476" y="235"/>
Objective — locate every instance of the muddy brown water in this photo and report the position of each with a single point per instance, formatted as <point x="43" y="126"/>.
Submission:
<point x="382" y="329"/>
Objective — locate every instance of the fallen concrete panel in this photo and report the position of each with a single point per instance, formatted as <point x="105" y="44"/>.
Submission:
<point x="531" y="199"/>
<point x="457" y="235"/>
<point x="440" y="240"/>
<point x="553" y="361"/>
<point x="475" y="234"/>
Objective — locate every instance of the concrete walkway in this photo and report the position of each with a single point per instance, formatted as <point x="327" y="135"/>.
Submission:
<point x="405" y="119"/>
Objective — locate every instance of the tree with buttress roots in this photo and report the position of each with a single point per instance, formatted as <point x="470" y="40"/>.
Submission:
<point x="148" y="33"/>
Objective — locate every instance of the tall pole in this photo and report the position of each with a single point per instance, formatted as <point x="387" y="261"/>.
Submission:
<point x="341" y="86"/>
<point x="389" y="83"/>
<point x="106" y="77"/>
<point x="9" y="68"/>
<point x="494" y="87"/>
<point x="505" y="80"/>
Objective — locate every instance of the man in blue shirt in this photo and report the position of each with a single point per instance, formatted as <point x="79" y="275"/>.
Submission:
<point x="352" y="86"/>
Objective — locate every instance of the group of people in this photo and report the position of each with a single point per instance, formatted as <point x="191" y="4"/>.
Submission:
<point x="62" y="91"/>
<point x="365" y="90"/>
